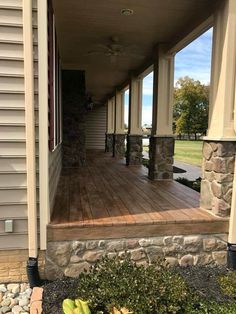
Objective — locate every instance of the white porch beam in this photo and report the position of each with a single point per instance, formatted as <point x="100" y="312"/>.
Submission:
<point x="223" y="74"/>
<point x="43" y="122"/>
<point x="135" y="106"/>
<point x="163" y="90"/>
<point x="30" y="128"/>
<point x="194" y="34"/>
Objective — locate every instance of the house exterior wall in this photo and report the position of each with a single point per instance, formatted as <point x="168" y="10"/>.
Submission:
<point x="13" y="176"/>
<point x="96" y="128"/>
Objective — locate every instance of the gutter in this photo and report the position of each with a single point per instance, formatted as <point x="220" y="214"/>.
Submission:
<point x="232" y="223"/>
<point x="232" y="228"/>
<point x="32" y="265"/>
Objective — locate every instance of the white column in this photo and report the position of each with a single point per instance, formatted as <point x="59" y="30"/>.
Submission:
<point x="222" y="94"/>
<point x="30" y="128"/>
<point x="163" y="89"/>
<point x="135" y="106"/>
<point x="43" y="122"/>
<point x="119" y="113"/>
<point x="222" y="122"/>
<point x="110" y="116"/>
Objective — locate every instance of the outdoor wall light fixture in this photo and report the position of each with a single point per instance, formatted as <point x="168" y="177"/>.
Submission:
<point x="127" y="12"/>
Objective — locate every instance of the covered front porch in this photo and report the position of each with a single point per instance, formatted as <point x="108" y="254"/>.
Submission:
<point x="93" y="203"/>
<point x="107" y="208"/>
<point x="106" y="199"/>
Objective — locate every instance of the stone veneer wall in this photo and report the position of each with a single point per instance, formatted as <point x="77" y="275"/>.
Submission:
<point x="119" y="145"/>
<point x="109" y="143"/>
<point x="217" y="176"/>
<point x="74" y="118"/>
<point x="134" y="150"/>
<point x="161" y="152"/>
<point x="69" y="258"/>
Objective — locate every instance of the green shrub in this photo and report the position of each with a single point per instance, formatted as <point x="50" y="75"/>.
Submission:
<point x="228" y="284"/>
<point x="120" y="283"/>
<point x="204" y="307"/>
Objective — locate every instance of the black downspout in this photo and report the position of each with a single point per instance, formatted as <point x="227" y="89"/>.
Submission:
<point x="231" y="258"/>
<point x="33" y="272"/>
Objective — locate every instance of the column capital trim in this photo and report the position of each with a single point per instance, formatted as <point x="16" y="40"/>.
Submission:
<point x="165" y="136"/>
<point x="221" y="139"/>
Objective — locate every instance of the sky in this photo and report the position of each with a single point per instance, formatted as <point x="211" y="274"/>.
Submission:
<point x="193" y="61"/>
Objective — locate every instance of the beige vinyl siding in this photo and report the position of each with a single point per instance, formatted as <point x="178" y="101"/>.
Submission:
<point x="13" y="183"/>
<point x="55" y="165"/>
<point x="96" y="128"/>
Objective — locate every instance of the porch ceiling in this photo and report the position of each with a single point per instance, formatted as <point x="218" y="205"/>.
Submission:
<point x="84" y="25"/>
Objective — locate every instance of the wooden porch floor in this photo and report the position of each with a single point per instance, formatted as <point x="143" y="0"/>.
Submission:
<point x="107" y="199"/>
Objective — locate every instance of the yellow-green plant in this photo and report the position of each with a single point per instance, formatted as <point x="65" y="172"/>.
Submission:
<point x="77" y="306"/>
<point x="123" y="310"/>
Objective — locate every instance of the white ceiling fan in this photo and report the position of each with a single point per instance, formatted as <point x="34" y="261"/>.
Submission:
<point x="114" y="49"/>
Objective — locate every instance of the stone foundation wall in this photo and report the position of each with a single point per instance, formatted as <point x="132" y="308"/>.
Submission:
<point x="109" y="143"/>
<point x="161" y="151"/>
<point x="217" y="176"/>
<point x="72" y="257"/>
<point x="119" y="145"/>
<point x="134" y="150"/>
<point x="13" y="265"/>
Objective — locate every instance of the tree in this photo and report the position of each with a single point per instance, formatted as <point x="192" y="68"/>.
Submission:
<point x="191" y="103"/>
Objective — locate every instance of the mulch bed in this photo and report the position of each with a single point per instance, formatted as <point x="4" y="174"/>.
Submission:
<point x="202" y="279"/>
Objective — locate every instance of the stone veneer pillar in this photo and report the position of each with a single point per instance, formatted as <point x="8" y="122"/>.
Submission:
<point x="161" y="151"/>
<point x="109" y="143"/>
<point x="74" y="118"/>
<point x="135" y="133"/>
<point x="119" y="127"/>
<point x="161" y="148"/>
<point x="217" y="176"/>
<point x="110" y="128"/>
<point x="220" y="144"/>
<point x="134" y="149"/>
<point x="119" y="145"/>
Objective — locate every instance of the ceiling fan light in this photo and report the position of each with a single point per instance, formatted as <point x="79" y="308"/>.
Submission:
<point x="127" y="12"/>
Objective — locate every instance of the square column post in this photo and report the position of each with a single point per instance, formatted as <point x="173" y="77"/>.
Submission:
<point x="161" y="148"/>
<point x="119" y="134"/>
<point x="135" y="133"/>
<point x="219" y="146"/>
<point x="110" y="125"/>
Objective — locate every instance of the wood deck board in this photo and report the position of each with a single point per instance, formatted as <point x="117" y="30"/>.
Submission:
<point x="107" y="196"/>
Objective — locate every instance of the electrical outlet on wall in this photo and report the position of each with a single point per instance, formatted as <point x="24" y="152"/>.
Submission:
<point x="9" y="225"/>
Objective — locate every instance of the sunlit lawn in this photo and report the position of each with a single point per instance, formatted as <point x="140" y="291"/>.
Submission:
<point x="188" y="151"/>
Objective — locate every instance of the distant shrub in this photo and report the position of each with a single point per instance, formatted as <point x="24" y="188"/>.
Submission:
<point x="195" y="185"/>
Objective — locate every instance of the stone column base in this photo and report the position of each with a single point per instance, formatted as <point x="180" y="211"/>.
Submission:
<point x="161" y="151"/>
<point x="134" y="150"/>
<point x="119" y="145"/>
<point x="217" y="176"/>
<point x="109" y="143"/>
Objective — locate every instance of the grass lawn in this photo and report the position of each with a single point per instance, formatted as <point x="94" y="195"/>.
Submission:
<point x="189" y="152"/>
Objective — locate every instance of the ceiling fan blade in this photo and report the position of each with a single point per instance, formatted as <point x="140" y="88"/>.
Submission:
<point x="94" y="52"/>
<point x="133" y="55"/>
<point x="113" y="59"/>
